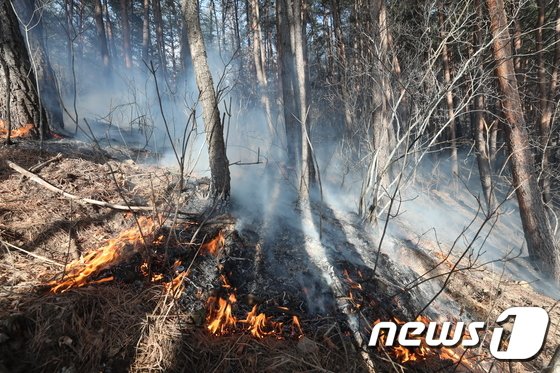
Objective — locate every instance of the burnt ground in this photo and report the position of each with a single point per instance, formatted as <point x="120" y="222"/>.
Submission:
<point x="318" y="267"/>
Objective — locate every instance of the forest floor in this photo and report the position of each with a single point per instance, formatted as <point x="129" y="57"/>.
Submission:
<point x="132" y="322"/>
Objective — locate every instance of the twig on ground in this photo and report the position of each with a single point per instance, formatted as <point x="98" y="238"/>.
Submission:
<point x="43" y="164"/>
<point x="36" y="256"/>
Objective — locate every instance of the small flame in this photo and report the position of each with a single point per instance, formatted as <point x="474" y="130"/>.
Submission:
<point x="176" y="285"/>
<point x="25" y="130"/>
<point x="422" y="352"/>
<point x="220" y="319"/>
<point x="296" y="327"/>
<point x="213" y="246"/>
<point x="259" y="323"/>
<point x="353" y="284"/>
<point x="115" y="250"/>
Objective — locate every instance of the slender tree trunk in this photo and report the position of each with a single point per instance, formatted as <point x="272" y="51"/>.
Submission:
<point x="146" y="30"/>
<point x="259" y="61"/>
<point x="307" y="176"/>
<point x="219" y="164"/>
<point x="539" y="238"/>
<point x="342" y="64"/>
<point x="482" y="132"/>
<point x="160" y="41"/>
<point x="101" y="36"/>
<point x="110" y="33"/>
<point x="547" y="91"/>
<point x="69" y="12"/>
<point x="32" y="27"/>
<point x="286" y="68"/>
<point x="482" y="152"/>
<point x="449" y="92"/>
<point x="126" y="34"/>
<point x="375" y="192"/>
<point x="24" y="105"/>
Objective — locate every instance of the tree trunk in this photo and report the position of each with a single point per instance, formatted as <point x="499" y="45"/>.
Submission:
<point x="286" y="67"/>
<point x="146" y="31"/>
<point x="160" y="41"/>
<point x="32" y="25"/>
<point x="375" y="192"/>
<point x="539" y="238"/>
<point x="24" y="103"/>
<point x="259" y="61"/>
<point x="342" y="63"/>
<point x="101" y="35"/>
<point x="482" y="136"/>
<point x="449" y="92"/>
<point x="483" y="133"/>
<point x="126" y="34"/>
<point x="219" y="164"/>
<point x="547" y="91"/>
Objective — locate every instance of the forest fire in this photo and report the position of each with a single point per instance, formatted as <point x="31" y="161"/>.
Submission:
<point x="214" y="245"/>
<point x="423" y="352"/>
<point x="80" y="272"/>
<point x="222" y="321"/>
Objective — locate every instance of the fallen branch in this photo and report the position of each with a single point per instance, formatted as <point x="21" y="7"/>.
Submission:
<point x="43" y="164"/>
<point x="90" y="201"/>
<point x="36" y="256"/>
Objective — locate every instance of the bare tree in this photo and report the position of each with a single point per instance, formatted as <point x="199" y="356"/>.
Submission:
<point x="219" y="164"/>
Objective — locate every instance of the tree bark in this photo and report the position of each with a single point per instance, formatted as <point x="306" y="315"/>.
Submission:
<point x="259" y="61"/>
<point x="32" y="25"/>
<point x="286" y="67"/>
<point x="24" y="103"/>
<point x="375" y="195"/>
<point x="146" y="31"/>
<point x="219" y="164"/>
<point x="160" y="41"/>
<point x="539" y="238"/>
<point x="449" y="92"/>
<point x="126" y="34"/>
<point x="547" y="91"/>
<point x="483" y="133"/>
<point x="101" y="35"/>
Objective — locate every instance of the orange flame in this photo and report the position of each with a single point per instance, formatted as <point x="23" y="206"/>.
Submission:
<point x="258" y="323"/>
<point x="25" y="130"/>
<point x="221" y="320"/>
<point x="213" y="246"/>
<point x="112" y="252"/>
<point x="422" y="352"/>
<point x="296" y="327"/>
<point x="353" y="284"/>
<point x="176" y="285"/>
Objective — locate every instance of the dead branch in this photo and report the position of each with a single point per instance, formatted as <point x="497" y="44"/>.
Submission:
<point x="36" y="256"/>
<point x="37" y="179"/>
<point x="43" y="164"/>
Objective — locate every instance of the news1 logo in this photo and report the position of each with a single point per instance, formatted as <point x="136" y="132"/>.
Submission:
<point x="525" y="341"/>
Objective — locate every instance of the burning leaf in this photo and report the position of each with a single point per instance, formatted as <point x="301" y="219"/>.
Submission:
<point x="79" y="272"/>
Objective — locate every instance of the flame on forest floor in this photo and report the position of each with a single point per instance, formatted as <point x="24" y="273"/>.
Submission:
<point x="80" y="272"/>
<point x="213" y="246"/>
<point x="221" y="320"/>
<point x="423" y="352"/>
<point x="25" y="130"/>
